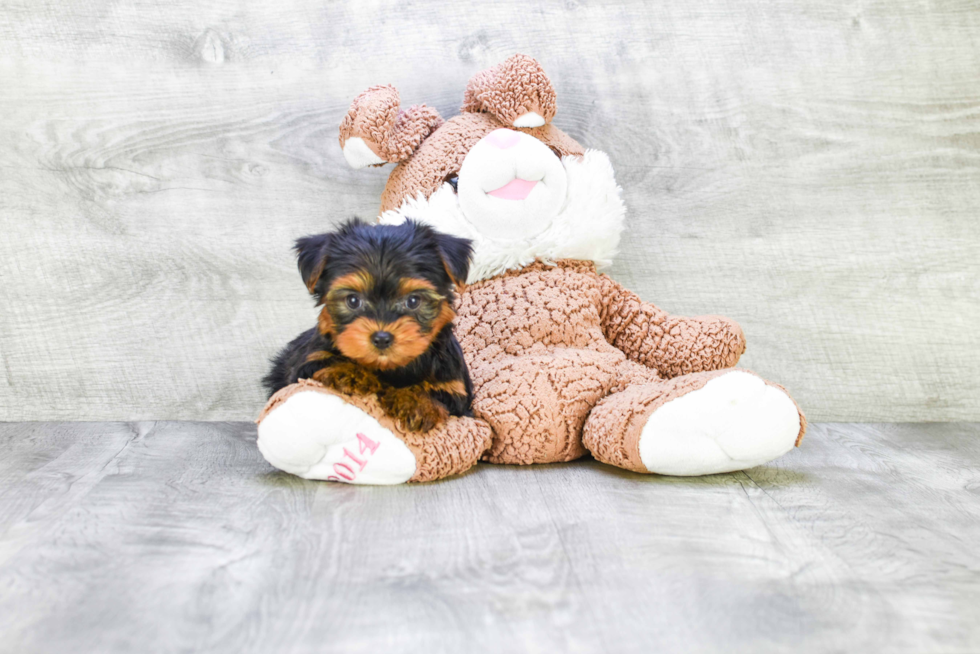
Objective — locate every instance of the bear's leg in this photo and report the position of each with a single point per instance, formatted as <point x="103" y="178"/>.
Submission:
<point x="316" y="433"/>
<point x="697" y="424"/>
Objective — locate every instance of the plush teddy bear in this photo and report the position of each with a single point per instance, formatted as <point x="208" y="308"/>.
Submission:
<point x="564" y="360"/>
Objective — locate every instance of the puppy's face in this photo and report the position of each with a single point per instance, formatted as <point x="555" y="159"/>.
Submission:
<point x="386" y="290"/>
<point x="383" y="319"/>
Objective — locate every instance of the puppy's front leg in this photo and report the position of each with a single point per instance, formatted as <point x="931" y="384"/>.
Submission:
<point x="413" y="407"/>
<point x="453" y="394"/>
<point x="349" y="378"/>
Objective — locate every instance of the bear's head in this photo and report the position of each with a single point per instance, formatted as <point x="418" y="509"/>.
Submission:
<point x="499" y="174"/>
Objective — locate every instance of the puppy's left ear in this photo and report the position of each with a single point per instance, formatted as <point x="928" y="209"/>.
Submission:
<point x="456" y="254"/>
<point x="311" y="254"/>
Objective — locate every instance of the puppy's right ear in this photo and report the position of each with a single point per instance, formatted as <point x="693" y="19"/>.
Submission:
<point x="456" y="254"/>
<point x="311" y="254"/>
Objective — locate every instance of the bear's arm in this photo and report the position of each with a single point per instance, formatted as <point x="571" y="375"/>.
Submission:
<point x="671" y="345"/>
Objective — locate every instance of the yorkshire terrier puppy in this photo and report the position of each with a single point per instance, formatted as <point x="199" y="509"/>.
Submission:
<point x="385" y="328"/>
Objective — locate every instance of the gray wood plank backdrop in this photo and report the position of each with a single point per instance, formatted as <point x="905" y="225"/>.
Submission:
<point x="811" y="169"/>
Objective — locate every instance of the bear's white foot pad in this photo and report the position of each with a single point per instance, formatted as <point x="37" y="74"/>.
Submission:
<point x="734" y="422"/>
<point x="319" y="436"/>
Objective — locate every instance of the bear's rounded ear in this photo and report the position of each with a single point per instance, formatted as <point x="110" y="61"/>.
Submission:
<point x="376" y="131"/>
<point x="517" y="92"/>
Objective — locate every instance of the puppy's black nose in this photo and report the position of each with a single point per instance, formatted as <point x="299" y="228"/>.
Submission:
<point x="382" y="340"/>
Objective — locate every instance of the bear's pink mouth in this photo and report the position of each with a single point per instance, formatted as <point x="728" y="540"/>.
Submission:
<point x="515" y="189"/>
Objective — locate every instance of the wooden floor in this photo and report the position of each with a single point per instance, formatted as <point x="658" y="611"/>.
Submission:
<point x="176" y="536"/>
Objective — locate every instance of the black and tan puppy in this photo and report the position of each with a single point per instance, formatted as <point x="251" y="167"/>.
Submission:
<point x="386" y="325"/>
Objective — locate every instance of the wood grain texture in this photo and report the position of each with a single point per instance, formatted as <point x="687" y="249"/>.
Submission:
<point x="176" y="536"/>
<point x="810" y="169"/>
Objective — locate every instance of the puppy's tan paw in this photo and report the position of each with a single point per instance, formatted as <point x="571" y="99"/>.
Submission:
<point x="348" y="378"/>
<point x="412" y="408"/>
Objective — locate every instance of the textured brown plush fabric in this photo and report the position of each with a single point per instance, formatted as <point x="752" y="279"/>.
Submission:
<point x="510" y="90"/>
<point x="545" y="344"/>
<point x="390" y="133"/>
<point x="441" y="155"/>
<point x="612" y="431"/>
<point x="673" y="345"/>
<point x="449" y="449"/>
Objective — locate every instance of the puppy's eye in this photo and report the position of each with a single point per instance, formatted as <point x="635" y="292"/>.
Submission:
<point x="556" y="152"/>
<point x="453" y="181"/>
<point x="353" y="302"/>
<point x="413" y="301"/>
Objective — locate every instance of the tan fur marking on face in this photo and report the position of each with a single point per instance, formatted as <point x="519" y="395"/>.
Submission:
<point x="355" y="340"/>
<point x="324" y="324"/>
<point x="409" y="284"/>
<point x="359" y="282"/>
<point x="409" y="343"/>
<point x="446" y="316"/>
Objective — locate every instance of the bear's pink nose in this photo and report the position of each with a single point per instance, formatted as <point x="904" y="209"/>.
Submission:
<point x="503" y="138"/>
